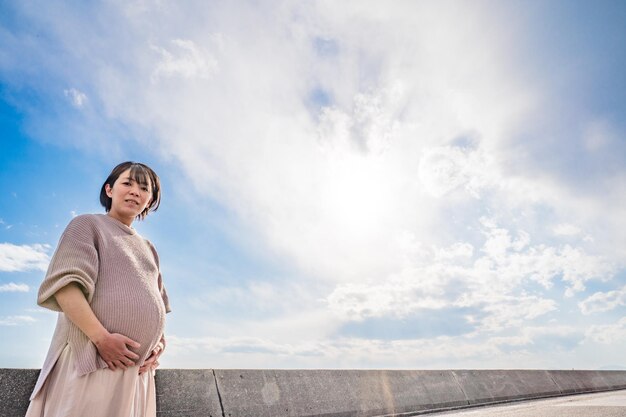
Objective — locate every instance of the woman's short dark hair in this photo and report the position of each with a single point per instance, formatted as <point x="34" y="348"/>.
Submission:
<point x="142" y="174"/>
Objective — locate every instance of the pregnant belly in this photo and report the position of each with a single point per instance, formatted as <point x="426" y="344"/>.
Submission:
<point x="139" y="315"/>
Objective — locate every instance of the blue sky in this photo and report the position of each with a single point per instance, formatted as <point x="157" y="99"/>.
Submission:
<point x="345" y="184"/>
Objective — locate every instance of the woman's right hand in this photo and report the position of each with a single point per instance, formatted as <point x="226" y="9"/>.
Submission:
<point x="113" y="347"/>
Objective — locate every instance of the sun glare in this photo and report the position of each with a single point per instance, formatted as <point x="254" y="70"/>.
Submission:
<point x="358" y="198"/>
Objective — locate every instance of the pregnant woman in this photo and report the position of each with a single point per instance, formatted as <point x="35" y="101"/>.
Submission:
<point x="105" y="282"/>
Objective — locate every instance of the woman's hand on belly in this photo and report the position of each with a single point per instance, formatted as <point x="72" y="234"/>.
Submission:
<point x="113" y="347"/>
<point x="153" y="360"/>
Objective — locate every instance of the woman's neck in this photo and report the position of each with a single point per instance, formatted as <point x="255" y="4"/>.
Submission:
<point x="127" y="221"/>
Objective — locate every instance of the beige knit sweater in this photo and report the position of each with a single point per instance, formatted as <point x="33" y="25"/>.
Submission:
<point x="118" y="271"/>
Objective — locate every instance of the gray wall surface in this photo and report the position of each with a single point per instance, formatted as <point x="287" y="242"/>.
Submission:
<point x="337" y="393"/>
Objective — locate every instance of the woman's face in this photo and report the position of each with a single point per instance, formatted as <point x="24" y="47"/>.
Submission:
<point x="129" y="198"/>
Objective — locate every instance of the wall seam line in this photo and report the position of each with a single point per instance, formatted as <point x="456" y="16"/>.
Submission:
<point x="219" y="396"/>
<point x="456" y="379"/>
<point x="555" y="383"/>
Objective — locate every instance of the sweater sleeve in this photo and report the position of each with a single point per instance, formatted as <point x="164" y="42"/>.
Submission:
<point x="75" y="260"/>
<point x="162" y="290"/>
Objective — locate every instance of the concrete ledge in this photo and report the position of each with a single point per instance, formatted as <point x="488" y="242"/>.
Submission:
<point x="488" y="386"/>
<point x="337" y="393"/>
<point x="574" y="382"/>
<point x="614" y="379"/>
<point x="271" y="393"/>
<point x="189" y="393"/>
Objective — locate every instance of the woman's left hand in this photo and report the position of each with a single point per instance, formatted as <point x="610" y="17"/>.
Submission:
<point x="153" y="360"/>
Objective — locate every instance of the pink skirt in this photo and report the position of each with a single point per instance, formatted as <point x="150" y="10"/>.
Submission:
<point x="103" y="393"/>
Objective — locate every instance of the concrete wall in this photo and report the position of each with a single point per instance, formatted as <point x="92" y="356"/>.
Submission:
<point x="337" y="393"/>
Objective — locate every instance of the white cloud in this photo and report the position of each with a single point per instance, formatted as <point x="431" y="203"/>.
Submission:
<point x="345" y="352"/>
<point x="76" y="97"/>
<point x="15" y="258"/>
<point x="514" y="259"/>
<point x="566" y="229"/>
<point x="499" y="243"/>
<point x="530" y="335"/>
<point x="433" y="353"/>
<point x="13" y="287"/>
<point x="457" y="251"/>
<point x="369" y="126"/>
<point x="395" y="298"/>
<point x="514" y="311"/>
<point x="608" y="333"/>
<point x="186" y="60"/>
<point x="444" y="169"/>
<point x="261" y="298"/>
<point x="16" y="320"/>
<point x="603" y="301"/>
<point x="492" y="283"/>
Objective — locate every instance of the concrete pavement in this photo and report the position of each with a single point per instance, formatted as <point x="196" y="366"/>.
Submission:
<point x="603" y="404"/>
